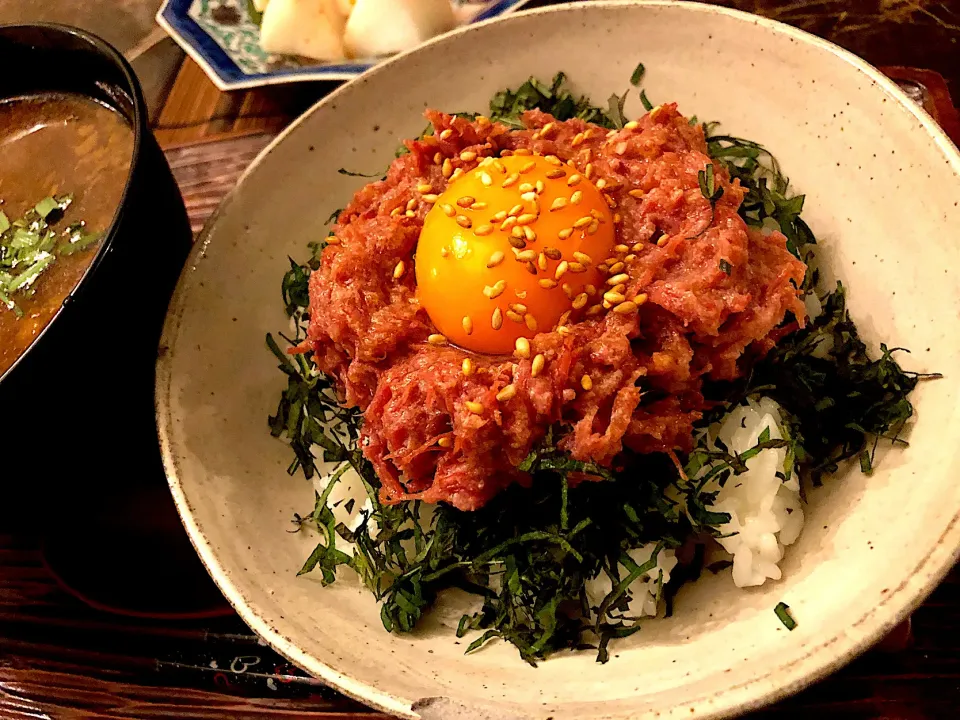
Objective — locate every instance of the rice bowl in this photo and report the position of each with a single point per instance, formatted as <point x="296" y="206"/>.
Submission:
<point x="213" y="442"/>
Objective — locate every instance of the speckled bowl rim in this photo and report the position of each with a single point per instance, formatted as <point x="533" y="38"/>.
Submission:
<point x="756" y="692"/>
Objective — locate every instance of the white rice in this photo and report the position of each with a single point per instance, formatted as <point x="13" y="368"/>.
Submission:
<point x="765" y="512"/>
<point x="645" y="590"/>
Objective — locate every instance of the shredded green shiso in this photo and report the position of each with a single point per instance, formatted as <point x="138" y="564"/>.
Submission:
<point x="529" y="552"/>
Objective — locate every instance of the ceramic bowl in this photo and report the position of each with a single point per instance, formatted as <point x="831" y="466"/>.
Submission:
<point x="883" y="195"/>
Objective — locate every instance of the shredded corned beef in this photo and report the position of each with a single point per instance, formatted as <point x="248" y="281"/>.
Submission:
<point x="715" y="288"/>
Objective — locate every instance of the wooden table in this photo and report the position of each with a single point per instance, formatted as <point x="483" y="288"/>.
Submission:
<point x="61" y="659"/>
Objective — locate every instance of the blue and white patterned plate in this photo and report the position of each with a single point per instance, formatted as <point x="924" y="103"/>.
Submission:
<point x="224" y="39"/>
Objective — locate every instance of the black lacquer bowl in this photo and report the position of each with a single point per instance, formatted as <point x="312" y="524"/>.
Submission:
<point x="79" y="460"/>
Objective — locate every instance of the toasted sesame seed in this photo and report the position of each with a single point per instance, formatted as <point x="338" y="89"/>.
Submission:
<point x="495" y="290"/>
<point x="556" y="174"/>
<point x="553" y="159"/>
<point x="539" y="186"/>
<point x="474" y="407"/>
<point x="552" y="253"/>
<point x="482" y="230"/>
<point x="542" y="261"/>
<point x="640" y="299"/>
<point x="444" y="442"/>
<point x="410" y="213"/>
<point x="526" y="256"/>
<point x="514" y="316"/>
<point x="582" y="258"/>
<point x="464" y="222"/>
<point x="547" y="283"/>
<point x="564" y="318"/>
<point x="663" y="240"/>
<point x="546" y="129"/>
<point x="396" y="211"/>
<point x="508" y="393"/>
<point x="466" y="201"/>
<point x="586" y="383"/>
<point x="531" y="268"/>
<point x="437" y="339"/>
<point x="588" y="133"/>
<point x="499" y="217"/>
<point x="573" y="180"/>
<point x="562" y="268"/>
<point x="617" y="279"/>
<point x="517" y="242"/>
<point x="522" y="348"/>
<point x="630" y="258"/>
<point x="564" y="330"/>
<point x="621" y="148"/>
<point x="508" y="223"/>
<point x="496" y="320"/>
<point x="529" y="233"/>
<point x="398" y="270"/>
<point x="637" y="247"/>
<point x="583" y="222"/>
<point x="565" y="233"/>
<point x="527" y="167"/>
<point x="430" y="199"/>
<point x="447" y="168"/>
<point x="588" y="171"/>
<point x="437" y="158"/>
<point x="517" y="232"/>
<point x="526" y="219"/>
<point x="611" y="134"/>
<point x="499" y="166"/>
<point x="619" y="288"/>
<point x="468" y="156"/>
<point x="590" y="290"/>
<point x="577" y="139"/>
<point x="523" y="151"/>
<point x="594" y="310"/>
<point x="576" y="267"/>
<point x="482" y="120"/>
<point x="558" y="204"/>
<point x="526" y="187"/>
<point x="576" y="197"/>
<point x="424" y="187"/>
<point x="536" y="135"/>
<point x="632" y="125"/>
<point x="510" y="180"/>
<point x="411" y="203"/>
<point x="613" y="298"/>
<point x="601" y="183"/>
<point x="446" y="134"/>
<point x="593" y="227"/>
<point x="536" y="367"/>
<point x="567" y="290"/>
<point x="496" y="257"/>
<point x="636" y="193"/>
<point x="479" y="206"/>
<point x="467" y="323"/>
<point x="456" y="174"/>
<point x="531" y="322"/>
<point x="518" y="308"/>
<point x="529" y="196"/>
<point x="580" y="301"/>
<point x="448" y="210"/>
<point x="515" y="210"/>
<point x="616" y="268"/>
<point x="466" y="367"/>
<point x="486" y="179"/>
<point x="626" y="307"/>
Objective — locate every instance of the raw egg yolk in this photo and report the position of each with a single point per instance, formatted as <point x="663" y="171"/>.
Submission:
<point x="509" y="248"/>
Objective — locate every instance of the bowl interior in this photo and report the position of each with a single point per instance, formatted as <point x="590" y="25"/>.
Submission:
<point x="56" y="60"/>
<point x="880" y="181"/>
